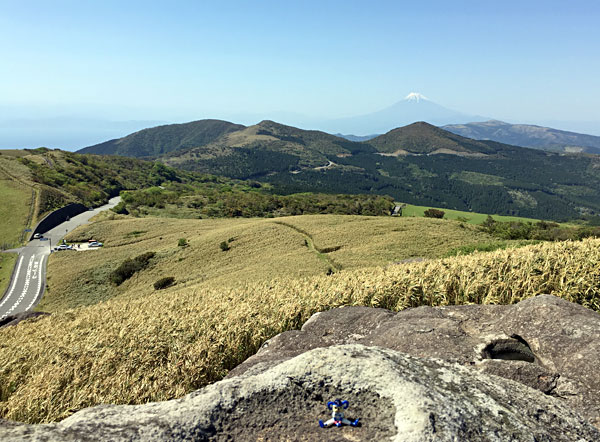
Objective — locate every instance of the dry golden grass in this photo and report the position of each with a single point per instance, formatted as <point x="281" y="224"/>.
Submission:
<point x="368" y="241"/>
<point x="262" y="249"/>
<point x="166" y="343"/>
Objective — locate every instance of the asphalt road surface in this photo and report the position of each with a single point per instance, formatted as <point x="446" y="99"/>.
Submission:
<point x="28" y="282"/>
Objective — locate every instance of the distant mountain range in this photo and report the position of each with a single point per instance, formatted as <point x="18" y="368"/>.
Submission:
<point x="414" y="107"/>
<point x="419" y="164"/>
<point x="537" y="137"/>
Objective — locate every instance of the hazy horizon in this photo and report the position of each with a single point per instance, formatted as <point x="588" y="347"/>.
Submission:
<point x="530" y="63"/>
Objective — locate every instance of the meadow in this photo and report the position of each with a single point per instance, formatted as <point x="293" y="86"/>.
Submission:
<point x="135" y="344"/>
<point x="410" y="210"/>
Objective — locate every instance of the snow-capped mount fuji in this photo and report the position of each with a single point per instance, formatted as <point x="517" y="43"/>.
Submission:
<point x="415" y="96"/>
<point x="414" y="107"/>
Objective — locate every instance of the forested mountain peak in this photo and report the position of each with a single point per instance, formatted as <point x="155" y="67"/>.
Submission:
<point x="161" y="140"/>
<point x="425" y="138"/>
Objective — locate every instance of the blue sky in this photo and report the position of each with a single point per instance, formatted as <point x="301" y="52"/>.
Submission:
<point x="526" y="61"/>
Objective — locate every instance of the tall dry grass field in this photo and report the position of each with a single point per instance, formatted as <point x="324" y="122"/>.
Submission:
<point x="365" y="241"/>
<point x="135" y="349"/>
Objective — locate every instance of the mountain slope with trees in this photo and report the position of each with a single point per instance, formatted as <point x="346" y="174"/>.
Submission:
<point x="164" y="139"/>
<point x="418" y="164"/>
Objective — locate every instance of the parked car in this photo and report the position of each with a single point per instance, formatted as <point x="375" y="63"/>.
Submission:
<point x="38" y="236"/>
<point x="63" y="247"/>
<point x="95" y="244"/>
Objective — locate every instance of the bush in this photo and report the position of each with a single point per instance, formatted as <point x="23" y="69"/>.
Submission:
<point x="182" y="242"/>
<point x="121" y="209"/>
<point x="129" y="267"/>
<point x="163" y="283"/>
<point x="434" y="213"/>
<point x="224" y="246"/>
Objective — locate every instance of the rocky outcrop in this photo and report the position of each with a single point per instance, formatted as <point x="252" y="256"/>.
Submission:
<point x="476" y="373"/>
<point x="545" y="342"/>
<point x="395" y="396"/>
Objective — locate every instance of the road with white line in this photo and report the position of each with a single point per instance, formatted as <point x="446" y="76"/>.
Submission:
<point x="28" y="282"/>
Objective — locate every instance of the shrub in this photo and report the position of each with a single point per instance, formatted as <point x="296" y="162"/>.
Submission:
<point x="129" y="267"/>
<point x="163" y="283"/>
<point x="182" y="242"/>
<point x="434" y="213"/>
<point x="224" y="246"/>
<point x="121" y="208"/>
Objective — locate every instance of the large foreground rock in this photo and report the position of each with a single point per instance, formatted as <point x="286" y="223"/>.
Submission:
<point x="544" y="342"/>
<point x="395" y="395"/>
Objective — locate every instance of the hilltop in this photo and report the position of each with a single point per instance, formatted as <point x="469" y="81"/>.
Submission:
<point x="528" y="135"/>
<point x="425" y="138"/>
<point x="164" y="139"/>
<point x="260" y="149"/>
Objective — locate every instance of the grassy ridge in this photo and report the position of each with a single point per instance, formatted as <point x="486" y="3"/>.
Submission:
<point x="134" y="349"/>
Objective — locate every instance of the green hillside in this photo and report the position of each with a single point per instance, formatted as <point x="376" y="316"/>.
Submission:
<point x="160" y="140"/>
<point x="418" y="164"/>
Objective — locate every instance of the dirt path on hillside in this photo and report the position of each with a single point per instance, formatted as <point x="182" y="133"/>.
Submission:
<point x="310" y="243"/>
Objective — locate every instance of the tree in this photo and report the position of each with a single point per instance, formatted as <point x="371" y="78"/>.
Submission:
<point x="434" y="213"/>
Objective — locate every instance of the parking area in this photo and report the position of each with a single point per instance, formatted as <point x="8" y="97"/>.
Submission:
<point x="78" y="247"/>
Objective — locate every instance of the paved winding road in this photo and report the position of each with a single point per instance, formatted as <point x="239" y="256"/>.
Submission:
<point x="29" y="277"/>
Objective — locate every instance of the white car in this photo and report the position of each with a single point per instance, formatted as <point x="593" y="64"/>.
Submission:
<point x="63" y="247"/>
<point x="95" y="244"/>
<point x="38" y="236"/>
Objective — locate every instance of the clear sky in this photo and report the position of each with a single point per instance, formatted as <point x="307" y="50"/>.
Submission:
<point x="525" y="61"/>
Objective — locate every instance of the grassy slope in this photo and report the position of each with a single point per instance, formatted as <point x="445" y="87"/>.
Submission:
<point x="14" y="208"/>
<point x="7" y="263"/>
<point x="374" y="241"/>
<point x="261" y="249"/>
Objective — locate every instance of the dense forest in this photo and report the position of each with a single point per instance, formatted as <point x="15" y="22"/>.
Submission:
<point x="216" y="197"/>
